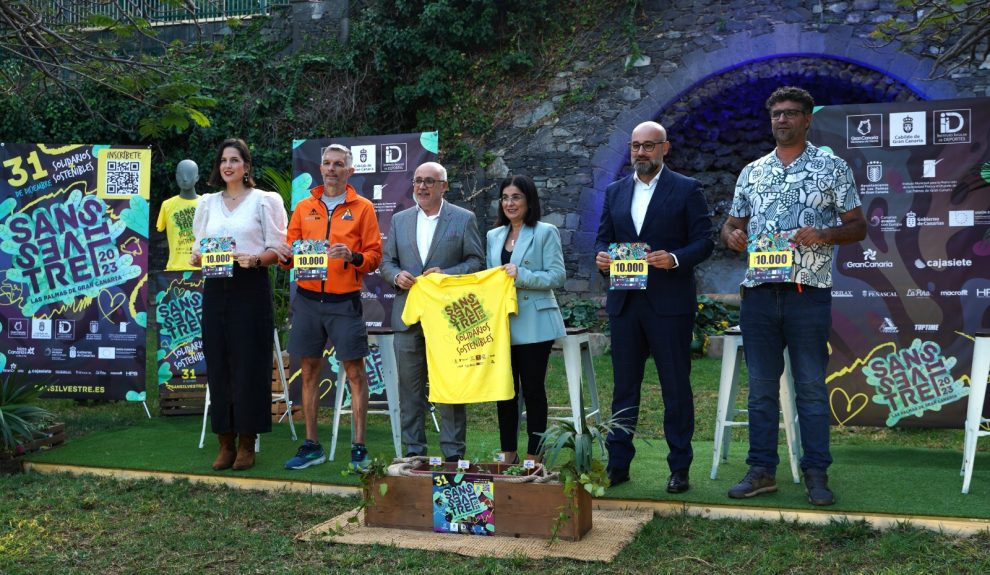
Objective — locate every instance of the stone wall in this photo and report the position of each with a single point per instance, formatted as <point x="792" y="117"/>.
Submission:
<point x="705" y="69"/>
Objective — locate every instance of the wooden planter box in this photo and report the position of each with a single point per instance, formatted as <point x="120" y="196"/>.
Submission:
<point x="13" y="462"/>
<point x="521" y="509"/>
<point x="181" y="402"/>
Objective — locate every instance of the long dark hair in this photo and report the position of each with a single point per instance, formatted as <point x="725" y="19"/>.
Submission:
<point x="242" y="147"/>
<point x="528" y="188"/>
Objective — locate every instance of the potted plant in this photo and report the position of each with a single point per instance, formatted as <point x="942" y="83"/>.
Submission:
<point x="527" y="502"/>
<point x="23" y="426"/>
<point x="570" y="452"/>
<point x="712" y="319"/>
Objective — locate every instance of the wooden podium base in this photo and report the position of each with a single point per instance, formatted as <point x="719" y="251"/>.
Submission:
<point x="526" y="509"/>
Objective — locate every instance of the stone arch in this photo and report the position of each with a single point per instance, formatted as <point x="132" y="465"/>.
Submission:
<point x="671" y="95"/>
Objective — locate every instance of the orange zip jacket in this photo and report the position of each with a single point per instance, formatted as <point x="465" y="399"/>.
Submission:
<point x="354" y="224"/>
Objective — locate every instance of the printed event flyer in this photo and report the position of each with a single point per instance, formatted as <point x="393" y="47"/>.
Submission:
<point x="628" y="270"/>
<point x="178" y="304"/>
<point x="463" y="503"/>
<point x="74" y="260"/>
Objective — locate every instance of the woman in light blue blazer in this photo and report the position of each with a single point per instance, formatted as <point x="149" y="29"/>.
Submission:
<point x="529" y="251"/>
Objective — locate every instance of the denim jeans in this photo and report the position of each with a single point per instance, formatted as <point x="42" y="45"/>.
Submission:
<point x="772" y="317"/>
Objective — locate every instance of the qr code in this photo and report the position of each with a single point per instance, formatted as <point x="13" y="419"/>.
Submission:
<point x="123" y="178"/>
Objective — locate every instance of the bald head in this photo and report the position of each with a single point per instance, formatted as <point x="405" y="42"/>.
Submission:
<point x="647" y="149"/>
<point x="429" y="197"/>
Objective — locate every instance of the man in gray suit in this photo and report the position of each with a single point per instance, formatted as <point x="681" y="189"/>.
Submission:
<point x="432" y="236"/>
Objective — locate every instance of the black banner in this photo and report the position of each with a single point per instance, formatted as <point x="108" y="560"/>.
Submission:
<point x="907" y="299"/>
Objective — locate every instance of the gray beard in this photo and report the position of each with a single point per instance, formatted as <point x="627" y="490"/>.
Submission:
<point x="646" y="168"/>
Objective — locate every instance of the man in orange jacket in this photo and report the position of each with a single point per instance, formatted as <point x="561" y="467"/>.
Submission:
<point x="331" y="307"/>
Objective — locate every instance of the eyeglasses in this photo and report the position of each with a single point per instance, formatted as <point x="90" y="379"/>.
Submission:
<point x="428" y="182"/>
<point x="515" y="199"/>
<point x="647" y="146"/>
<point x="789" y="113"/>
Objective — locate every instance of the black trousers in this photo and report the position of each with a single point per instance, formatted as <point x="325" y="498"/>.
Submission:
<point x="638" y="333"/>
<point x="529" y="371"/>
<point x="238" y="323"/>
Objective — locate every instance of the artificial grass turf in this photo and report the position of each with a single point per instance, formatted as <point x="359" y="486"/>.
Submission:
<point x="868" y="479"/>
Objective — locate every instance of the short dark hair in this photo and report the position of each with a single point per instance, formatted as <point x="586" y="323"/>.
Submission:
<point x="528" y="188"/>
<point x="242" y="147"/>
<point x="792" y="94"/>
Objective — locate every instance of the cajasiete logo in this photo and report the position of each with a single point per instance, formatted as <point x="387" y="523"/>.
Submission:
<point x="941" y="264"/>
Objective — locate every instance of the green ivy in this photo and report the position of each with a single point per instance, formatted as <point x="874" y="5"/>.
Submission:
<point x="409" y="65"/>
<point x="713" y="318"/>
<point x="582" y="313"/>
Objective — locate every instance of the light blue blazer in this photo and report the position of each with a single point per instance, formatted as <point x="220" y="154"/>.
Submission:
<point x="540" y="260"/>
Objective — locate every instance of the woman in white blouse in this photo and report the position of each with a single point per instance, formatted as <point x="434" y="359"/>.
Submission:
<point x="238" y="319"/>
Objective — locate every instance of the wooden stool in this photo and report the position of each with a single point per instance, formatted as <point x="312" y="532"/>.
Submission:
<point x="974" y="410"/>
<point x="728" y="390"/>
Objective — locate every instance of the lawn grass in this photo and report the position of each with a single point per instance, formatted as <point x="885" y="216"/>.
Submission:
<point x="63" y="524"/>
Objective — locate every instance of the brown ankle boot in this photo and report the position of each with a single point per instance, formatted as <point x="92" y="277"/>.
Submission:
<point x="245" y="452"/>
<point x="226" y="456"/>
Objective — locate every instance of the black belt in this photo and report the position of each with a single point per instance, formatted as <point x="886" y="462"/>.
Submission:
<point x="784" y="286"/>
<point x="324" y="297"/>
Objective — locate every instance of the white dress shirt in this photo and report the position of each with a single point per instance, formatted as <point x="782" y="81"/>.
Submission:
<point x="642" y="194"/>
<point x="426" y="227"/>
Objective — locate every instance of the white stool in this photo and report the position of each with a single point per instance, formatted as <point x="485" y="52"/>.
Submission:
<point x="974" y="410"/>
<point x="277" y="396"/>
<point x="577" y="366"/>
<point x="388" y="407"/>
<point x="728" y="390"/>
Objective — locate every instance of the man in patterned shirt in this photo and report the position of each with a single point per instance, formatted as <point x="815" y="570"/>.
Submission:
<point x="802" y="201"/>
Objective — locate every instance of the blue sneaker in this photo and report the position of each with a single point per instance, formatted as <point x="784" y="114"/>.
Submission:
<point x="310" y="453"/>
<point x="359" y="457"/>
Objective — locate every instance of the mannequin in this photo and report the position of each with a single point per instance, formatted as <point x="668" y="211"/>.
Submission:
<point x="186" y="176"/>
<point x="176" y="217"/>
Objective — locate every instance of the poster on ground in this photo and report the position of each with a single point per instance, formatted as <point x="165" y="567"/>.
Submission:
<point x="178" y="302"/>
<point x="908" y="298"/>
<point x="74" y="261"/>
<point x="463" y="503"/>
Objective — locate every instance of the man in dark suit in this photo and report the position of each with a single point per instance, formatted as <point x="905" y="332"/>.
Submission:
<point x="667" y="211"/>
<point x="433" y="236"/>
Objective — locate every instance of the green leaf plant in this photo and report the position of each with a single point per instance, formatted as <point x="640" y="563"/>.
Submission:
<point x="20" y="421"/>
<point x="570" y="452"/>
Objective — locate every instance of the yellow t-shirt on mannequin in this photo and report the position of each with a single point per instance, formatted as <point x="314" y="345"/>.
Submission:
<point x="175" y="219"/>
<point x="465" y="321"/>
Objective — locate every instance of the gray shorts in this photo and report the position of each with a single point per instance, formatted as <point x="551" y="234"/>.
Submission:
<point x="313" y="322"/>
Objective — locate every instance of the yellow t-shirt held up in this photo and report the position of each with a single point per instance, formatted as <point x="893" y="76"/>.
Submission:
<point x="465" y="321"/>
